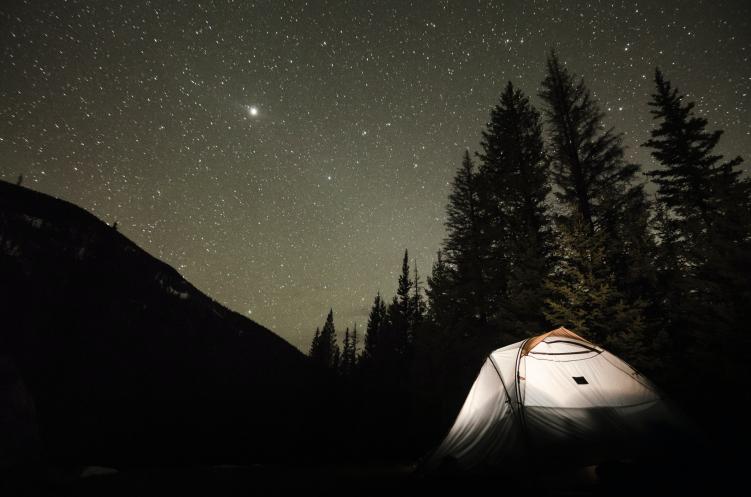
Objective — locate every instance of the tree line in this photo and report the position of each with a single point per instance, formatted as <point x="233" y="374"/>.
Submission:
<point x="549" y="225"/>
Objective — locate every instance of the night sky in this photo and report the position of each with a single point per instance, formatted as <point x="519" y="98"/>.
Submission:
<point x="282" y="155"/>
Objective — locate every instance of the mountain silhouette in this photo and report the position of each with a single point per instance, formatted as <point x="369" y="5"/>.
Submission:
<point x="108" y="356"/>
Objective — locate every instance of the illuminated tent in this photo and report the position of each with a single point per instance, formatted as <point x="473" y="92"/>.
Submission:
<point x="553" y="397"/>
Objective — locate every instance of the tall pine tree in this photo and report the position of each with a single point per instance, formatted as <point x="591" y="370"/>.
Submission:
<point x="346" y="365"/>
<point x="463" y="246"/>
<point x="597" y="190"/>
<point x="587" y="159"/>
<point x="325" y="350"/>
<point x="705" y="234"/>
<point x="692" y="178"/>
<point x="441" y="305"/>
<point x="377" y="320"/>
<point x="315" y="345"/>
<point x="417" y="302"/>
<point x="516" y="228"/>
<point x="397" y="334"/>
<point x="353" y="344"/>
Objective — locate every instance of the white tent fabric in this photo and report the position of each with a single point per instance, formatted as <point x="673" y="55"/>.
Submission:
<point x="552" y="397"/>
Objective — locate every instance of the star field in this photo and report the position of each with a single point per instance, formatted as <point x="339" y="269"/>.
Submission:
<point x="283" y="154"/>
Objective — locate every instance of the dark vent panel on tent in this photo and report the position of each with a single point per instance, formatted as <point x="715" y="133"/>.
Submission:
<point x="580" y="380"/>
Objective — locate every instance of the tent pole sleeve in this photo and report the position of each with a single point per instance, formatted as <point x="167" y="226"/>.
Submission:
<point x="519" y="400"/>
<point x="508" y="397"/>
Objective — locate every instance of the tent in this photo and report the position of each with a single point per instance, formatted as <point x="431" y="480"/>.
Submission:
<point x="553" y="397"/>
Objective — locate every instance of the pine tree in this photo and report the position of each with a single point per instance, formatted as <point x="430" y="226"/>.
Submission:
<point x="417" y="302"/>
<point x="394" y="331"/>
<point x="374" y="330"/>
<point x="354" y="355"/>
<point x="585" y="298"/>
<point x="336" y="358"/>
<point x="397" y="334"/>
<point x="705" y="235"/>
<point x="598" y="191"/>
<point x="704" y="197"/>
<point x="326" y="352"/>
<point x="463" y="245"/>
<point x="692" y="176"/>
<point x="315" y="346"/>
<point x="348" y="363"/>
<point x="402" y="306"/>
<point x="587" y="161"/>
<point x="404" y="285"/>
<point x="672" y="292"/>
<point x="441" y="304"/>
<point x="345" y="365"/>
<point x="631" y="246"/>
<point x="514" y="185"/>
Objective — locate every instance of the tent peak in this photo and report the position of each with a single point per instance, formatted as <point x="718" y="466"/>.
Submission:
<point x="532" y="342"/>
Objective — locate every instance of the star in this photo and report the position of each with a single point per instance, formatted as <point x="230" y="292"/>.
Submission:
<point x="342" y="129"/>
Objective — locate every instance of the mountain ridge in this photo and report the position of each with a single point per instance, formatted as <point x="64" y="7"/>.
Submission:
<point x="110" y="340"/>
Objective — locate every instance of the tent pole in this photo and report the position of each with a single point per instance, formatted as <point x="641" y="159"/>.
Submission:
<point x="519" y="401"/>
<point x="505" y="390"/>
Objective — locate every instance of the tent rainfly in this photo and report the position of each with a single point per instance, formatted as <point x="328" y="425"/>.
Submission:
<point x="553" y="397"/>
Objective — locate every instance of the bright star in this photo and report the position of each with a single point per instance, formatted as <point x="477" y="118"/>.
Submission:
<point x="252" y="110"/>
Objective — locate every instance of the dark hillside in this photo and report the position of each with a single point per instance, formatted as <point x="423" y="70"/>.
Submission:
<point x="126" y="362"/>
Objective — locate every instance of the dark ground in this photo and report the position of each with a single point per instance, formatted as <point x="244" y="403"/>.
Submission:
<point x="689" y="477"/>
